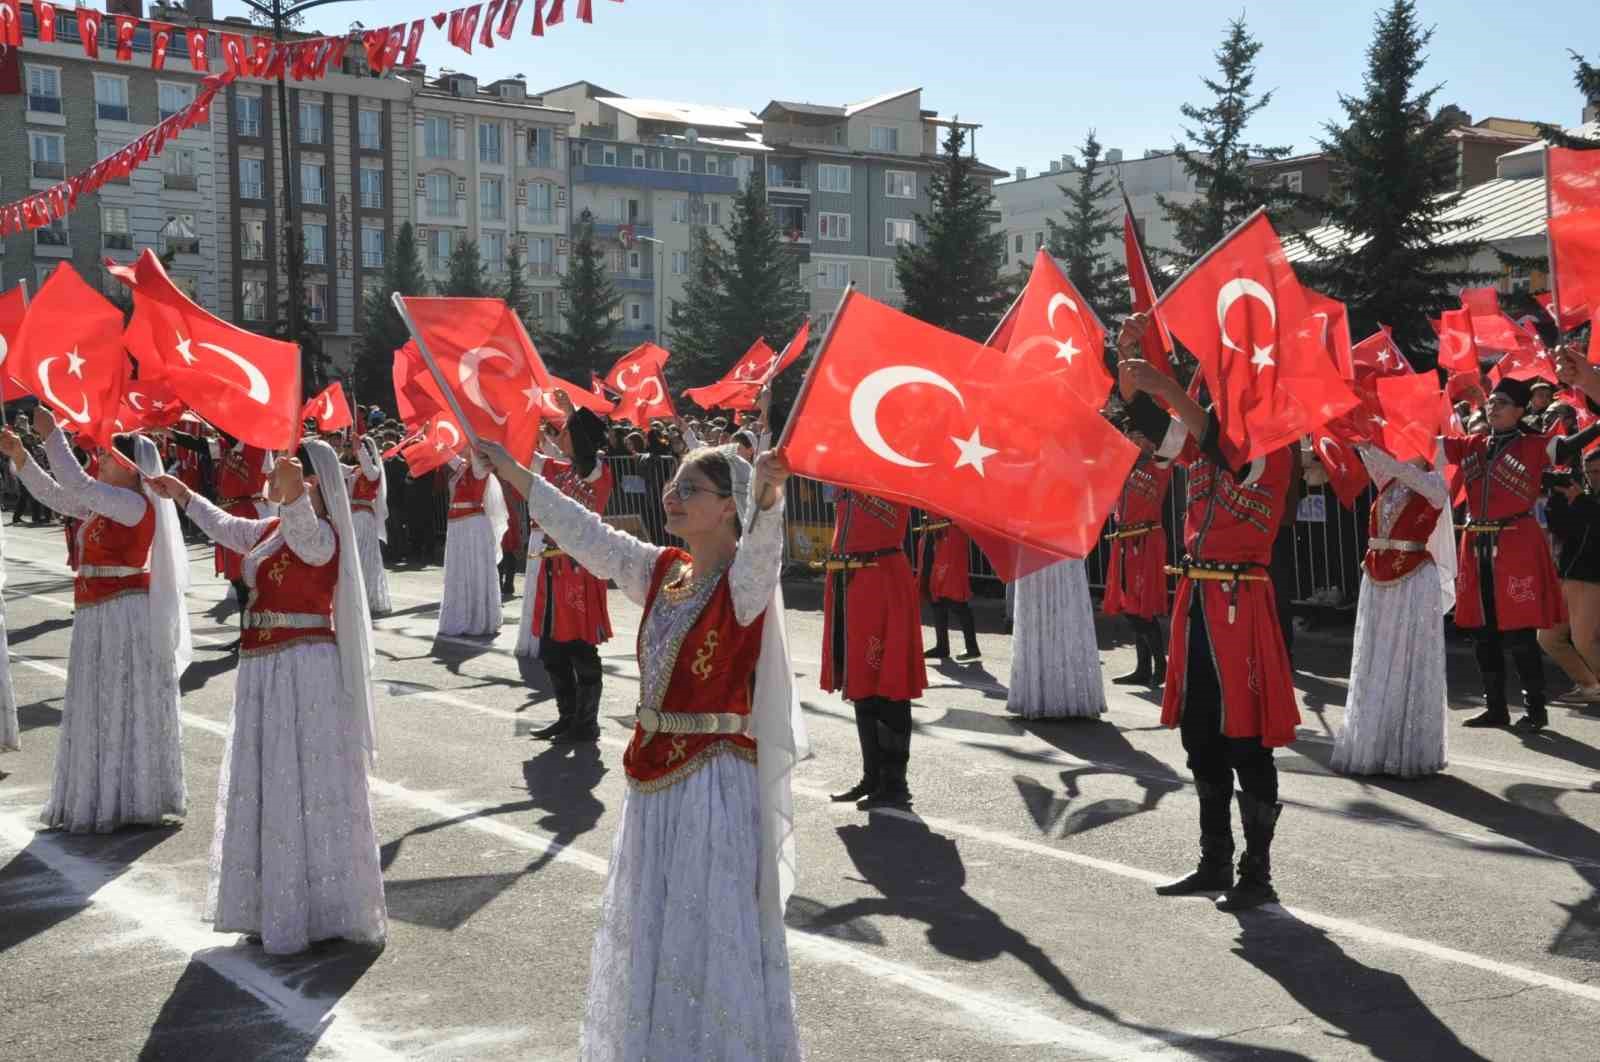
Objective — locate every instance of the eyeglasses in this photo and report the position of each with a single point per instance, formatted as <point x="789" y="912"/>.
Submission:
<point x="686" y="489"/>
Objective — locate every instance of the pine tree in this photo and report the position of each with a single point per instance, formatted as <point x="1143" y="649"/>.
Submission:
<point x="694" y="323"/>
<point x="1080" y="242"/>
<point x="585" y="343"/>
<point x="468" y="277"/>
<point x="295" y="306"/>
<point x="1398" y="176"/>
<point x="951" y="274"/>
<point x="1222" y="165"/>
<point x="757" y="283"/>
<point x="1587" y="78"/>
<point x="515" y="291"/>
<point x="382" y="330"/>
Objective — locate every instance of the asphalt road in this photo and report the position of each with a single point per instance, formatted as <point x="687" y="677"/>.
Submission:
<point x="1009" y="917"/>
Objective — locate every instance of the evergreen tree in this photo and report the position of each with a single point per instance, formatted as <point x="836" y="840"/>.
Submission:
<point x="1222" y="163"/>
<point x="1080" y="242"/>
<point x="1398" y="176"/>
<point x="516" y="292"/>
<point x="694" y="323"/>
<point x="951" y="274"/>
<point x="1587" y="78"/>
<point x="314" y="361"/>
<point x="468" y="277"/>
<point x="382" y="330"/>
<point x="585" y="344"/>
<point x="757" y="280"/>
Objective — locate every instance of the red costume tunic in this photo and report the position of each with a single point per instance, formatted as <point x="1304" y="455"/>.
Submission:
<point x="581" y="613"/>
<point x="113" y="559"/>
<point x="871" y="610"/>
<point x="364" y="492"/>
<point x="1232" y="519"/>
<point x="948" y="577"/>
<point x="466" y="494"/>
<point x="713" y="670"/>
<point x="1136" y="581"/>
<point x="1397" y="550"/>
<point x="241" y="479"/>
<point x="1501" y="477"/>
<point x="286" y="585"/>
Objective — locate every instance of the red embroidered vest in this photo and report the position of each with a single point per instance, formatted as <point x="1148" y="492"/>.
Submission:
<point x="1413" y="525"/>
<point x="1230" y="521"/>
<point x="714" y="671"/>
<point x="104" y="543"/>
<point x="286" y="584"/>
<point x="873" y="524"/>
<point x="1509" y="485"/>
<point x="1143" y="494"/>
<point x="239" y="475"/>
<point x="466" y="497"/>
<point x="364" y="491"/>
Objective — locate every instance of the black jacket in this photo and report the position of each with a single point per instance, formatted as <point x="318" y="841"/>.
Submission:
<point x="1576" y="527"/>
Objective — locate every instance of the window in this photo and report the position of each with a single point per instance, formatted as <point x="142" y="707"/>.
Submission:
<point x="831" y="178"/>
<point x="489" y="142"/>
<point x="685" y="162"/>
<point x="311" y="118"/>
<point x="1038" y="240"/>
<point x="714" y="213"/>
<point x="614" y="261"/>
<point x="711" y="164"/>
<point x="541" y="256"/>
<point x="824" y="322"/>
<point x="254" y="296"/>
<point x="542" y="148"/>
<point x="111" y="97"/>
<point x="179" y="236"/>
<point x="491" y="198"/>
<point x="833" y="275"/>
<point x="899" y="230"/>
<point x="46" y="150"/>
<point x="316" y="303"/>
<point x="833" y="226"/>
<point x="436" y="136"/>
<point x="1019" y="243"/>
<point x="680" y="263"/>
<point x="372" y="187"/>
<point x="44" y="89"/>
<point x="439" y="248"/>
<point x="250" y="178"/>
<point x="441" y="199"/>
<point x="177" y="171"/>
<point x="371" y="248"/>
<point x="253" y="240"/>
<point x="900" y="184"/>
<point x="544" y="308"/>
<point x="174" y="98"/>
<point x="608" y="155"/>
<point x="791" y="221"/>
<point x="635" y="263"/>
<point x="312" y="190"/>
<point x="493" y="248"/>
<point x="114" y="232"/>
<point x="1289" y="182"/>
<point x="635" y="312"/>
<point x="892" y="277"/>
<point x="316" y="241"/>
<point x="370" y="130"/>
<point x="247" y="115"/>
<point x="680" y="211"/>
<point x="541" y="203"/>
<point x="638" y="158"/>
<point x="885" y="138"/>
<point x="52" y="235"/>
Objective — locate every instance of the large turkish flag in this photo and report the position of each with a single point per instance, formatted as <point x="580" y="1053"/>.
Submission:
<point x="739" y="385"/>
<point x="69" y="354"/>
<point x="637" y="378"/>
<point x="1054" y="321"/>
<point x="1574" y="178"/>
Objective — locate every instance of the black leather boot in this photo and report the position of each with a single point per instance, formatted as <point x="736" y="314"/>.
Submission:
<point x="1158" y="658"/>
<point x="1215" y="870"/>
<point x="566" y="702"/>
<point x="895" y="752"/>
<point x="941" y="633"/>
<point x="1254" y="887"/>
<point x="1140" y="675"/>
<point x="867" y="735"/>
<point x="586" y="715"/>
<point x="1535" y="720"/>
<point x="1494" y="695"/>
<point x="969" y="635"/>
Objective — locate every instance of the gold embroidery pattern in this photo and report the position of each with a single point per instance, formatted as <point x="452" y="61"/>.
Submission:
<point x="693" y="764"/>
<point x="680" y="749"/>
<point x="97" y="530"/>
<point x="702" y="659"/>
<point x="279" y="569"/>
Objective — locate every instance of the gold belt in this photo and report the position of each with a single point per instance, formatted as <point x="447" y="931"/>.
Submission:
<point x="851" y="562"/>
<point x="109" y="571"/>
<point x="1214" y="575"/>
<point x="1489" y="527"/>
<point x="1401" y="545"/>
<point x="552" y="553"/>
<point x="223" y="503"/>
<point x="301" y="621"/>
<point x="937" y="525"/>
<point x="466" y="505"/>
<point x="1133" y="530"/>
<point x="654" y="722"/>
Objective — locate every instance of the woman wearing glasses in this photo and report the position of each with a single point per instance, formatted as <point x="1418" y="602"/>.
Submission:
<point x="690" y="960"/>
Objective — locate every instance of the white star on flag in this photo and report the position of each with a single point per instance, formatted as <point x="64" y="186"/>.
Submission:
<point x="74" y="364"/>
<point x="1067" y="350"/>
<point x="1263" y="359"/>
<point x="973" y="452"/>
<point x="183" y="349"/>
<point x="534" y="395"/>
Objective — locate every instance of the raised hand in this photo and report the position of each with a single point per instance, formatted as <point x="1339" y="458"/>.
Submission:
<point x="288" y="481"/>
<point x="44" y="421"/>
<point x="11" y="446"/>
<point x="168" y="487"/>
<point x="771" y="473"/>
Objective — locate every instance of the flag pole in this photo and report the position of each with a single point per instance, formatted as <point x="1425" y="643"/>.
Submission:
<point x="433" y="367"/>
<point x="1203" y="259"/>
<point x="22" y="285"/>
<point x="1005" y="316"/>
<point x="1144" y="262"/>
<point x="1550" y="249"/>
<point x="811" y="370"/>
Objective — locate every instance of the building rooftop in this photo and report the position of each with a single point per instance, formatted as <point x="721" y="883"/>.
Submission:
<point x="692" y="114"/>
<point x="1501" y="209"/>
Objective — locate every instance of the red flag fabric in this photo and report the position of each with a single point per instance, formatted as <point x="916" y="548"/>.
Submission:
<point x="416" y="395"/>
<point x="1158" y="341"/>
<point x="791" y="353"/>
<point x="127" y="26"/>
<point x="1328" y="325"/>
<point x="1335" y="444"/>
<point x="69" y="354"/>
<point x="1243" y="313"/>
<point x="45" y="15"/>
<point x="149" y="404"/>
<point x="1458" y="347"/>
<point x="440" y="439"/>
<point x="1054" y="321"/>
<point x="333" y="58"/>
<point x="413" y="43"/>
<point x="1378" y="355"/>
<point x="11" y="23"/>
<point x="1491" y="328"/>
<point x="557" y="8"/>
<point x="232" y="47"/>
<point x="637" y="378"/>
<point x="1531" y="363"/>
<point x="1409" y="417"/>
<point x="896" y="407"/>
<point x="508" y="18"/>
<point x="245" y="384"/>
<point x="198" y="59"/>
<point x="538" y="18"/>
<point x="490" y="15"/>
<point x="1574" y="190"/>
<point x="1000" y="338"/>
<point x="463" y="25"/>
<point x="583" y="397"/>
<point x="489" y="364"/>
<point x="13" y="308"/>
<point x="260" y="55"/>
<point x="89" y="22"/>
<point x="329" y="409"/>
<point x="394" y="45"/>
<point x="160" y="41"/>
<point x="739" y="385"/>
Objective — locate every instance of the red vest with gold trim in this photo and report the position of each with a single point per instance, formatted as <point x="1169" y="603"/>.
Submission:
<point x="1143" y="494"/>
<point x="466" y="497"/>
<point x="104" y="543"/>
<point x="874" y="524"/>
<point x="364" y="491"/>
<point x="1414" y="524"/>
<point x="1507" y="486"/>
<point x="285" y="583"/>
<point x="239" y="475"/>
<point x="715" y="671"/>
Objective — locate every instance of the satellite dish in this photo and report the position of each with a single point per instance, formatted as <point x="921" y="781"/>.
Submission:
<point x="692" y="135"/>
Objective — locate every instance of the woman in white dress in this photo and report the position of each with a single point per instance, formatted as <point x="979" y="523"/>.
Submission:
<point x="120" y="759"/>
<point x="1395" y="713"/>
<point x="477" y="520"/>
<point x="1055" y="661"/>
<point x="369" y="509"/>
<point x="691" y="961"/>
<point x="294" y="858"/>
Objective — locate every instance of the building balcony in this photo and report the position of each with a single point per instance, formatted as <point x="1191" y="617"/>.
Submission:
<point x="538" y="216"/>
<point x="44" y="104"/>
<point x="249" y="191"/>
<point x="49" y="171"/>
<point x="659" y="180"/>
<point x="371" y="259"/>
<point x="111" y="112"/>
<point x="372" y="200"/>
<point x="313" y="197"/>
<point x="179" y="182"/>
<point x="612" y="230"/>
<point x="634" y="284"/>
<point x="249" y="127"/>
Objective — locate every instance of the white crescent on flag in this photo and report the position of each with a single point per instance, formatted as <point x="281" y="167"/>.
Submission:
<point x="873" y="389"/>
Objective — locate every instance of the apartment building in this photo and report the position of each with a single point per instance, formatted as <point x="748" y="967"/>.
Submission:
<point x="846" y="184"/>
<point x="491" y="166"/>
<point x="651" y="173"/>
<point x="73" y="111"/>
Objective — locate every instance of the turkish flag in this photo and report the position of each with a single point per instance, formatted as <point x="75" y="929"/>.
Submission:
<point x="126" y="26"/>
<point x="1335" y="444"/>
<point x="556" y="12"/>
<point x="260" y="56"/>
<point x="329" y="409"/>
<point x="1157" y="341"/>
<point x="483" y="356"/>
<point x="1491" y="328"/>
<point x="739" y="386"/>
<point x="333" y="58"/>
<point x="581" y="397"/>
<point x="416" y="395"/>
<point x="1574" y="184"/>
<point x="45" y="15"/>
<point x="1531" y="363"/>
<point x="486" y="38"/>
<point x="198" y="59"/>
<point x="1458" y="345"/>
<point x="598" y="388"/>
<point x="463" y="24"/>
<point x="1243" y="313"/>
<point x="233" y="54"/>
<point x="1328" y="326"/>
<point x="637" y="378"/>
<point x="247" y="385"/>
<point x="899" y="408"/>
<point x="13" y="308"/>
<point x="11" y="23"/>
<point x="508" y="20"/>
<point x="1377" y="355"/>
<point x="791" y="353"/>
<point x="69" y="353"/>
<point x="160" y="41"/>
<point x="1409" y="415"/>
<point x="89" y="31"/>
<point x="1054" y="321"/>
<point x="149" y="404"/>
<point x="440" y="439"/>
<point x="413" y="43"/>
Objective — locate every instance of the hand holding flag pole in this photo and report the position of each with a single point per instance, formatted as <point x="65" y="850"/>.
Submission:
<point x="805" y="385"/>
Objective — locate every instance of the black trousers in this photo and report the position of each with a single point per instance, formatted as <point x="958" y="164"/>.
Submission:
<point x="1283" y="573"/>
<point x="1215" y="758"/>
<point x="570" y="665"/>
<point x="1490" y="645"/>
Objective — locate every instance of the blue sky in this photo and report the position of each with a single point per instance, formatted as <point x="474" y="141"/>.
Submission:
<point x="1035" y="73"/>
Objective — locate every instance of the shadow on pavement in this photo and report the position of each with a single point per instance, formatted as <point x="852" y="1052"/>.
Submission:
<point x="32" y="895"/>
<point x="1111" y="754"/>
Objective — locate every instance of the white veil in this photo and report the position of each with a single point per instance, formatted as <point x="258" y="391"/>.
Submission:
<point x="169" y="568"/>
<point x="381" y="509"/>
<point x="494" y="504"/>
<point x="527" y="637"/>
<point x="352" y="624"/>
<point x="1442" y="543"/>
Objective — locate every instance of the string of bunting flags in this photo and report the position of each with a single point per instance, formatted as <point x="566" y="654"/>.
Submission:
<point x="255" y="56"/>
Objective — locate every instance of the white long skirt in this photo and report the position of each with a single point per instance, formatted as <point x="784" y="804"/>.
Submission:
<point x="527" y="641"/>
<point x="680" y="969"/>
<point x="120" y="758"/>
<point x="1394" y="720"/>
<point x="471" y="603"/>
<point x="10" y="733"/>
<point x="295" y="854"/>
<point x="371" y="554"/>
<point x="1055" y="661"/>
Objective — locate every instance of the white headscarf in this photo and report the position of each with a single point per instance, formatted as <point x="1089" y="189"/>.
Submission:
<point x="494" y="500"/>
<point x="1442" y="543"/>
<point x="381" y="508"/>
<point x="169" y="568"/>
<point x="527" y="637"/>
<point x="352" y="624"/>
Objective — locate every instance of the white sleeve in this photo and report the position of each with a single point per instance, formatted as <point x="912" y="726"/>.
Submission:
<point x="549" y="448"/>
<point x="48" y="491"/>
<point x="599" y="547"/>
<point x="690" y="439"/>
<point x="757" y="565"/>
<point x="311" y="538"/>
<point x="1172" y="443"/>
<point x="1428" y="483"/>
<point x="370" y="468"/>
<point x="126" y="507"/>
<point x="238" y="533"/>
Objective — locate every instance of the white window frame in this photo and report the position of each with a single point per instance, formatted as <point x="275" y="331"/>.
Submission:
<point x="495" y="263"/>
<point x="29" y="69"/>
<point x="315" y="256"/>
<point x="635" y="311"/>
<point x="828" y="272"/>
<point x="541" y="258"/>
<point x="889" y="184"/>
<point x="541" y="213"/>
<point x="312" y="132"/>
<point x="36" y="137"/>
<point x="828" y="170"/>
<point x="429" y="182"/>
<point x="316" y="302"/>
<point x="493" y="151"/>
<point x="371" y="259"/>
<point x="370" y="200"/>
<point x="485" y="184"/>
<point x="256" y="189"/>
<point x="431" y="124"/>
<point x="833" y="227"/>
<point x="106" y="231"/>
<point x="321" y="186"/>
<point x="685" y="162"/>
<point x="710" y="165"/>
<point x="891" y="224"/>
<point x="362" y="114"/>
<point x="248" y="125"/>
<point x="608" y="154"/>
<point x="892" y="135"/>
<point x="680" y="263"/>
<point x="680" y="211"/>
<point x="538" y="159"/>
<point x="120" y="81"/>
<point x="258" y="305"/>
<point x="638" y="158"/>
<point x="182" y="88"/>
<point x="246" y="244"/>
